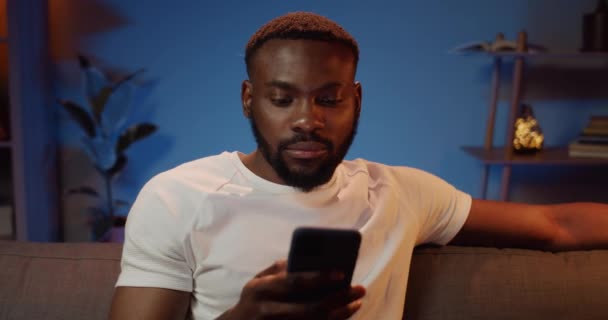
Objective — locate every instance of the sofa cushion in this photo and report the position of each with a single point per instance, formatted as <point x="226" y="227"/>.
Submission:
<point x="57" y="280"/>
<point x="488" y="283"/>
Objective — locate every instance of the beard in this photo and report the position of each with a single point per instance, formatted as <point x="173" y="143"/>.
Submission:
<point x="304" y="180"/>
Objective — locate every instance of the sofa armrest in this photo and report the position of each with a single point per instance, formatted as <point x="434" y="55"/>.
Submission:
<point x="488" y="283"/>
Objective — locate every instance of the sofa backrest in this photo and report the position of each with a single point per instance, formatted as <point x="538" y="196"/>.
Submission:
<point x="487" y="283"/>
<point x="66" y="281"/>
<point x="57" y="280"/>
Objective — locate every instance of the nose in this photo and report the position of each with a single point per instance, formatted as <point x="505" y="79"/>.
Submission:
<point x="308" y="117"/>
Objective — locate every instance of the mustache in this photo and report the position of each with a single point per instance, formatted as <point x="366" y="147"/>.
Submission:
<point x="311" y="137"/>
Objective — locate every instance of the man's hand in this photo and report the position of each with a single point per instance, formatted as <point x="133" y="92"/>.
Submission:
<point x="273" y="293"/>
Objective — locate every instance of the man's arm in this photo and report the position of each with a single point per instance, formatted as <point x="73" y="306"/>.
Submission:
<point x="149" y="303"/>
<point x="572" y="226"/>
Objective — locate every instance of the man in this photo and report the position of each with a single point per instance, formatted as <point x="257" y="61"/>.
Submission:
<point x="209" y="238"/>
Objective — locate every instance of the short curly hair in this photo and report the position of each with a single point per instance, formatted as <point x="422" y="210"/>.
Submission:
<point x="300" y="25"/>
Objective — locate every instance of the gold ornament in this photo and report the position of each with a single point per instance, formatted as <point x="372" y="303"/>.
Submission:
<point x="528" y="137"/>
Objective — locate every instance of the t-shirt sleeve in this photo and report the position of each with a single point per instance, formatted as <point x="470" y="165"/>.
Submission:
<point x="155" y="251"/>
<point x="442" y="209"/>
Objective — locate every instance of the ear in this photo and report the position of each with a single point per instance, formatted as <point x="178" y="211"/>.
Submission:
<point x="246" y="97"/>
<point x="358" y="97"/>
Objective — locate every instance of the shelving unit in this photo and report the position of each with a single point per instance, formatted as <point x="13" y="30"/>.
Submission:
<point x="7" y="227"/>
<point x="504" y="156"/>
<point x="28" y="161"/>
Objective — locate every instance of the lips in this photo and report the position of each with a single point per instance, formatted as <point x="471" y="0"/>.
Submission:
<point x="306" y="150"/>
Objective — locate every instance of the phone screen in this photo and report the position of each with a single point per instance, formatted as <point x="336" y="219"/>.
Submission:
<point x="325" y="250"/>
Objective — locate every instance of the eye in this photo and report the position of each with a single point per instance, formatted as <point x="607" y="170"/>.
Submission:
<point x="328" y="101"/>
<point x="281" y="101"/>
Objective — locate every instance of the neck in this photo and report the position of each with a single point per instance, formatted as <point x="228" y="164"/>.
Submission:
<point x="256" y="162"/>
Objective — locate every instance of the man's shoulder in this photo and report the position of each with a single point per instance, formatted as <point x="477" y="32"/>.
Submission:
<point x="404" y="179"/>
<point x="377" y="170"/>
<point x="205" y="174"/>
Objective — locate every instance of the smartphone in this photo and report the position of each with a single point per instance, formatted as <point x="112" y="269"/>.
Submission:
<point x="325" y="250"/>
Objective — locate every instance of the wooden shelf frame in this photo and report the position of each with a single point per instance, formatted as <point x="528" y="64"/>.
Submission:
<point x="518" y="68"/>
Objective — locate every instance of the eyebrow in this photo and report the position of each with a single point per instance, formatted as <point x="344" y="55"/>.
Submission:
<point x="288" y="86"/>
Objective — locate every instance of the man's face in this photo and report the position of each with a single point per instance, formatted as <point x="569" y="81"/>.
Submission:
<point x="303" y="106"/>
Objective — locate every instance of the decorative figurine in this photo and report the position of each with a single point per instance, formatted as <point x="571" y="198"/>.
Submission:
<point x="528" y="136"/>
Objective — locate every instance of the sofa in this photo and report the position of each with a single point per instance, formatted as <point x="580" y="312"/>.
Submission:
<point x="76" y="281"/>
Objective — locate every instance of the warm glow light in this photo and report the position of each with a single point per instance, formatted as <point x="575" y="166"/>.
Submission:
<point x="3" y="53"/>
<point x="3" y="28"/>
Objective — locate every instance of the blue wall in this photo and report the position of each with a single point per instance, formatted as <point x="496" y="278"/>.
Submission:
<point x="419" y="102"/>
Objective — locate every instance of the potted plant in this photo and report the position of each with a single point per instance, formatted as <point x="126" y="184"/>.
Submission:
<point x="107" y="134"/>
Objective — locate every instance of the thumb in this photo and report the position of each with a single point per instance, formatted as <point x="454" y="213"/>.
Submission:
<point x="277" y="267"/>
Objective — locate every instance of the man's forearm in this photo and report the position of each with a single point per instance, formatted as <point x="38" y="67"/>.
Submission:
<point x="581" y="226"/>
<point x="149" y="303"/>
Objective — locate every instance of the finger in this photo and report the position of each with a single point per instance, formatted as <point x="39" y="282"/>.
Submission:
<point x="293" y="311"/>
<point x="277" y="267"/>
<point x="347" y="311"/>
<point x="357" y="292"/>
<point x="287" y="286"/>
<point x="314" y="281"/>
<point x="344" y="297"/>
<point x="288" y="311"/>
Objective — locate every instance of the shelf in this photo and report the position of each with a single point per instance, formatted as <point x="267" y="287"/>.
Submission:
<point x="548" y="156"/>
<point x="5" y="144"/>
<point x="540" y="55"/>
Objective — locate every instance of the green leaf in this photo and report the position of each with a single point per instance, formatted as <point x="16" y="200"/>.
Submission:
<point x="86" y="190"/>
<point x="120" y="164"/>
<point x="133" y="134"/>
<point x="83" y="61"/>
<point x="128" y="77"/>
<point x="98" y="102"/>
<point x="98" y="88"/>
<point x="79" y="115"/>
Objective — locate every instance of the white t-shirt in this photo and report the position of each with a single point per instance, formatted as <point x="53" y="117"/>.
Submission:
<point x="208" y="226"/>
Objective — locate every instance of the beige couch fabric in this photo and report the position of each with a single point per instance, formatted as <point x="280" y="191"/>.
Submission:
<point x="47" y="281"/>
<point x="57" y="280"/>
<point x="487" y="283"/>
